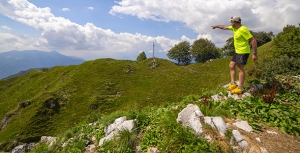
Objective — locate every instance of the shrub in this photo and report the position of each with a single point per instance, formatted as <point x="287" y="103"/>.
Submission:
<point x="269" y="68"/>
<point x="287" y="42"/>
<point x="142" y="56"/>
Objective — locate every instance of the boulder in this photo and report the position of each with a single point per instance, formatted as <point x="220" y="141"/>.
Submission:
<point x="217" y="123"/>
<point x="118" y="125"/>
<point x="243" y="125"/>
<point x="190" y="117"/>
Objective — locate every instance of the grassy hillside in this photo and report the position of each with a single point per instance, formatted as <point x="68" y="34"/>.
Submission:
<point x="157" y="125"/>
<point x="98" y="86"/>
<point x="264" y="52"/>
<point x="64" y="96"/>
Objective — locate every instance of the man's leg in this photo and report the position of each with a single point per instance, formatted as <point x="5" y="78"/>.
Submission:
<point x="240" y="60"/>
<point x="241" y="68"/>
<point x="232" y="71"/>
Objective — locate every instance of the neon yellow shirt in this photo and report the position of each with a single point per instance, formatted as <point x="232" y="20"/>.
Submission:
<point x="241" y="37"/>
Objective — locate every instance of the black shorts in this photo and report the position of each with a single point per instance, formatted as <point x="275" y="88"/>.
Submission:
<point x="240" y="58"/>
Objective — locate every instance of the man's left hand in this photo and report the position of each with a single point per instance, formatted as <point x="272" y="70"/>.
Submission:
<point x="254" y="57"/>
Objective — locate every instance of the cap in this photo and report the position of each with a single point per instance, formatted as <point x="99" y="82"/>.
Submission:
<point x="235" y="19"/>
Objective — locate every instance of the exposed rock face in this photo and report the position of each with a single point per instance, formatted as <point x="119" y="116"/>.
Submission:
<point x="7" y="117"/>
<point x="23" y="148"/>
<point x="5" y="120"/>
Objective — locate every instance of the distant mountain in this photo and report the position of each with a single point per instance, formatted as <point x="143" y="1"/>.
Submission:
<point x="13" y="62"/>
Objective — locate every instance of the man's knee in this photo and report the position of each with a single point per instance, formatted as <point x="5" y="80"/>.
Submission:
<point x="231" y="65"/>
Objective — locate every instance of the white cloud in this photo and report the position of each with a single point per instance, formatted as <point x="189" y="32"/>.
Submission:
<point x="89" y="41"/>
<point x="65" y="9"/>
<point x="6" y="27"/>
<point x="61" y="34"/>
<point x="90" y="8"/>
<point x="199" y="15"/>
<point x="8" y="40"/>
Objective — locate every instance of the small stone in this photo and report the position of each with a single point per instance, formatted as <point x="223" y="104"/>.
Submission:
<point x="208" y="138"/>
<point x="243" y="125"/>
<point x="271" y="132"/>
<point x="243" y="145"/>
<point x="264" y="150"/>
<point x="237" y="136"/>
<point x="138" y="149"/>
<point x="258" y="139"/>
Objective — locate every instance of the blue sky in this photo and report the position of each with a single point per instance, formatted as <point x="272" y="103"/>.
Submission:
<point x="121" y="29"/>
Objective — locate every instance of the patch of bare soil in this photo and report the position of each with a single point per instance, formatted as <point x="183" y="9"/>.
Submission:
<point x="273" y="140"/>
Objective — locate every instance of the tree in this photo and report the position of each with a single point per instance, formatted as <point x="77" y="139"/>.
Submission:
<point x="203" y="50"/>
<point x="229" y="47"/>
<point x="142" y="56"/>
<point x="181" y="53"/>
<point x="262" y="37"/>
<point x="287" y="42"/>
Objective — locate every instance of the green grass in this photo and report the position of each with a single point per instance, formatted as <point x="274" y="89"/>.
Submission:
<point x="100" y="87"/>
<point x="157" y="125"/>
<point x="264" y="52"/>
<point x="92" y="87"/>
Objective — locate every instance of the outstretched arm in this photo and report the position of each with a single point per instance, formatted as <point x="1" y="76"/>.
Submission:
<point x="223" y="27"/>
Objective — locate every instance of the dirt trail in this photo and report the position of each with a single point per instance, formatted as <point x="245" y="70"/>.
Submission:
<point x="273" y="140"/>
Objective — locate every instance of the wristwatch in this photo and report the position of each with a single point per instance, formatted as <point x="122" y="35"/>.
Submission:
<point x="255" y="53"/>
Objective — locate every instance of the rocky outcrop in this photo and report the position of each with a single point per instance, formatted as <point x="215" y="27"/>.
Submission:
<point x="23" y="148"/>
<point x="238" y="139"/>
<point x="7" y="117"/>
<point x="191" y="117"/>
<point x="217" y="123"/>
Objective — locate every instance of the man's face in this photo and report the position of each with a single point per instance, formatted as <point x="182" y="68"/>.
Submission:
<point x="232" y="23"/>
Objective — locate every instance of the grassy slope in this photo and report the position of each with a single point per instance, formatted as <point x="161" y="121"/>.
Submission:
<point x="91" y="88"/>
<point x="264" y="52"/>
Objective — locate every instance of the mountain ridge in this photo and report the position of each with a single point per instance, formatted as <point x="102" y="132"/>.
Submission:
<point x="13" y="62"/>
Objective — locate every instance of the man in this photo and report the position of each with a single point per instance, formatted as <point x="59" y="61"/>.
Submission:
<point x="242" y="37"/>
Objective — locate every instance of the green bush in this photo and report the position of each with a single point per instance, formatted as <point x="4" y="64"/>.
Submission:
<point x="269" y="68"/>
<point x="256" y="112"/>
<point x="287" y="42"/>
<point x="142" y="56"/>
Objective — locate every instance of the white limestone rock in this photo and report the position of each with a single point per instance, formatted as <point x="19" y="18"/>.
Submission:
<point x="237" y="136"/>
<point x="220" y="125"/>
<point x="190" y="117"/>
<point x="271" y="132"/>
<point x="113" y="129"/>
<point x="116" y="123"/>
<point x="258" y="139"/>
<point x="243" y="125"/>
<point x="264" y="150"/>
<point x="217" y="123"/>
<point x="240" y="140"/>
